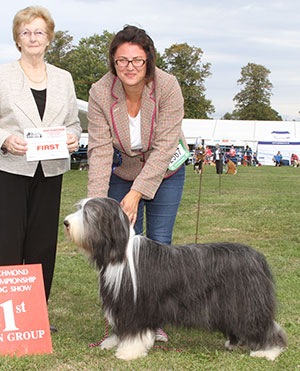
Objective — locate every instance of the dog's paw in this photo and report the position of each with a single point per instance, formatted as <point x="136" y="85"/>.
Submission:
<point x="109" y="343"/>
<point x="136" y="346"/>
<point x="229" y="346"/>
<point x="270" y="354"/>
<point x="130" y="354"/>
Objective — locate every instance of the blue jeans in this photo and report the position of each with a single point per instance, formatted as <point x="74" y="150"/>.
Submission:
<point x="161" y="211"/>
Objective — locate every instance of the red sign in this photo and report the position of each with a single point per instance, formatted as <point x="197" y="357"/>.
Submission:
<point x="24" y="323"/>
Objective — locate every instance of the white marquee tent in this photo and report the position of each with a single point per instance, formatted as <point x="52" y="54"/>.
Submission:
<point x="264" y="137"/>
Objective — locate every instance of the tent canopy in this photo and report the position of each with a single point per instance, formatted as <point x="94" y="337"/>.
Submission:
<point x="264" y="137"/>
<point x="245" y="131"/>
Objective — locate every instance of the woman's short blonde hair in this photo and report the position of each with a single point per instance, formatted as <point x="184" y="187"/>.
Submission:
<point x="27" y="15"/>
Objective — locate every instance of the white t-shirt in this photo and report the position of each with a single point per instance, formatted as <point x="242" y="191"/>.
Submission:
<point x="135" y="131"/>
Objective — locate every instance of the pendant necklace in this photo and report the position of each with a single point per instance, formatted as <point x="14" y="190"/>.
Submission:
<point x="36" y="82"/>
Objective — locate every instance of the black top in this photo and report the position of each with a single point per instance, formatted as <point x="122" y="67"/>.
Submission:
<point x="40" y="100"/>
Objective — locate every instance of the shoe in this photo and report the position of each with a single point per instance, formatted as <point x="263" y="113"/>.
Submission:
<point x="53" y="329"/>
<point x="161" y="335"/>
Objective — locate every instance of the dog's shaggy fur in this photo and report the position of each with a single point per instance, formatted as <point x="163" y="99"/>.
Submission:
<point x="231" y="167"/>
<point x="199" y="160"/>
<point x="145" y="285"/>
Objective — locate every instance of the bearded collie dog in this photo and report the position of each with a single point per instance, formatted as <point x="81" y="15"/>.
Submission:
<point x="145" y="285"/>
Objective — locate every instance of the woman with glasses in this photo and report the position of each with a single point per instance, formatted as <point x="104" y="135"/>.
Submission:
<point x="137" y="109"/>
<point x="32" y="95"/>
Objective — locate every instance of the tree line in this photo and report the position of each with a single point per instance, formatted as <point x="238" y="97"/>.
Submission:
<point x="88" y="62"/>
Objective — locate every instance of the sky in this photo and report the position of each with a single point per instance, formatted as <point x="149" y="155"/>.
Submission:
<point x="231" y="33"/>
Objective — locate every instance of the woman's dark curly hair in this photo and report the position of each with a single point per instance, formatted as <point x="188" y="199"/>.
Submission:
<point x="137" y="36"/>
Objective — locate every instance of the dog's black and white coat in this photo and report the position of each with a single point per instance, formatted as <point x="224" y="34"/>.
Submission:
<point x="199" y="160"/>
<point x="145" y="285"/>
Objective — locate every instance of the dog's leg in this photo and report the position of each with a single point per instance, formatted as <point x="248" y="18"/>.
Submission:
<point x="111" y="342"/>
<point x="136" y="347"/>
<point x="232" y="343"/>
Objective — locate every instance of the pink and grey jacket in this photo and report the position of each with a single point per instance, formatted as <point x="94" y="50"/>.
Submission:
<point x="161" y="129"/>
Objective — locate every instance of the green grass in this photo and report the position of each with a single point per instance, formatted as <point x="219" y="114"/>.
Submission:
<point x="258" y="206"/>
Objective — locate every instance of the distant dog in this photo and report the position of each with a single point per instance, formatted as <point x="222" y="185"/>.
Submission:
<point x="83" y="165"/>
<point x="145" y="285"/>
<point x="199" y="160"/>
<point x="231" y="167"/>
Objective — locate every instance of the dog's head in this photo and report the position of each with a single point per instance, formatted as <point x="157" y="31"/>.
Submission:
<point x="101" y="228"/>
<point x="200" y="153"/>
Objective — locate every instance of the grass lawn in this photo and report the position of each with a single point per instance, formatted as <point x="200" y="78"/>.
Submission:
<point x="259" y="206"/>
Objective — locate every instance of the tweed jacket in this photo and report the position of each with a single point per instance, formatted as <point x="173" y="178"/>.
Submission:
<point x="161" y="129"/>
<point x="18" y="110"/>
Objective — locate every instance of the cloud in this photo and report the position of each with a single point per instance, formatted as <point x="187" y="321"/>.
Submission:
<point x="231" y="34"/>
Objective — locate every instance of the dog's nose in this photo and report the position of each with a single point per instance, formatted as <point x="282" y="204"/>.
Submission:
<point x="66" y="223"/>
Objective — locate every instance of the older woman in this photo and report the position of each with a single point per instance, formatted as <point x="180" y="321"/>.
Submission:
<point x="137" y="110"/>
<point x="32" y="95"/>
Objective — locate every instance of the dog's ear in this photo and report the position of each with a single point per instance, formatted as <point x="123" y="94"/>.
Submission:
<point x="119" y="236"/>
<point x="108" y="232"/>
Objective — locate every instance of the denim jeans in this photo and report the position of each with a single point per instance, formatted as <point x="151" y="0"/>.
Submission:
<point x="160" y="212"/>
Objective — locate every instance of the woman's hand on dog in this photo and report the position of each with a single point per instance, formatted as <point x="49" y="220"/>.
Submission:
<point x="130" y="205"/>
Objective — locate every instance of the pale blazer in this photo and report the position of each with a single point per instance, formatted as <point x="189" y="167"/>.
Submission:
<point x="18" y="110"/>
<point x="161" y="129"/>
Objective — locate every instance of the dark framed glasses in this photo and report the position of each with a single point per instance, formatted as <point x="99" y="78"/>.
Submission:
<point x="123" y="62"/>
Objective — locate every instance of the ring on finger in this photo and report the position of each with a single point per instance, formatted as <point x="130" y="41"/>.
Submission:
<point x="12" y="149"/>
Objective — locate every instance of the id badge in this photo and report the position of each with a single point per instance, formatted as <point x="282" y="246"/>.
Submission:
<point x="179" y="157"/>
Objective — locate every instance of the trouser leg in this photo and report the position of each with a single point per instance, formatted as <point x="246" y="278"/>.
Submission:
<point x="13" y="217"/>
<point x="42" y="228"/>
<point x="161" y="212"/>
<point x="118" y="188"/>
<point x="29" y="221"/>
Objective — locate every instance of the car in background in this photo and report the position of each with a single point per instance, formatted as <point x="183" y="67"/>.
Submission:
<point x="79" y="158"/>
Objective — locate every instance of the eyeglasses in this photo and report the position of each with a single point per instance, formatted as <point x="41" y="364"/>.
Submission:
<point x="37" y="33"/>
<point x="122" y="62"/>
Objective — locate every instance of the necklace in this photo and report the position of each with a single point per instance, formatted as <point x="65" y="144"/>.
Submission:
<point x="36" y="82"/>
